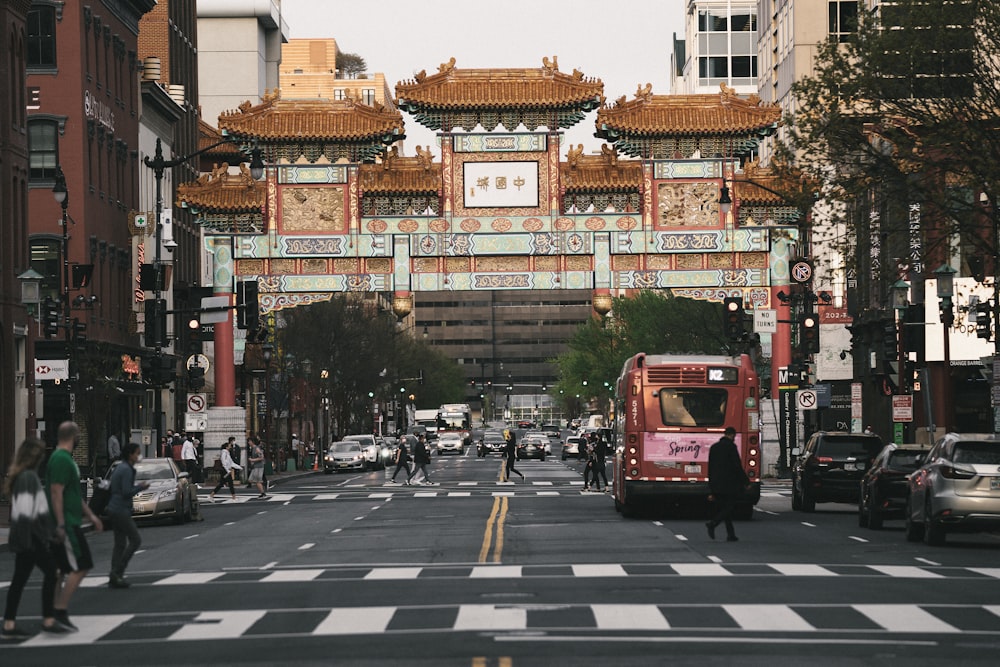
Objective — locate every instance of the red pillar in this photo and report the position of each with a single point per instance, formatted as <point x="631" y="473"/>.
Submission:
<point x="781" y="341"/>
<point x="225" y="367"/>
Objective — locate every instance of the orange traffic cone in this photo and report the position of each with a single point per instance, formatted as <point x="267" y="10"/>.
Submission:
<point x="316" y="460"/>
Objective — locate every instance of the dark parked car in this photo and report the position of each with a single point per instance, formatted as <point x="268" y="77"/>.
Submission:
<point x="493" y="443"/>
<point x="532" y="447"/>
<point x="830" y="467"/>
<point x="884" y="485"/>
<point x="957" y="489"/>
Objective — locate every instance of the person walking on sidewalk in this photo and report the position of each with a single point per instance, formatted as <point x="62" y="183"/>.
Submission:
<point x="510" y="451"/>
<point x="255" y="457"/>
<point x="421" y="459"/>
<point x="66" y="501"/>
<point x="127" y="538"/>
<point x="228" y="467"/>
<point x="402" y="458"/>
<point x="189" y="455"/>
<point x="726" y="480"/>
<point x="32" y="532"/>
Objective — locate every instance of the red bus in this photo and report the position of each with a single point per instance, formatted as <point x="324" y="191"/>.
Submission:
<point x="670" y="409"/>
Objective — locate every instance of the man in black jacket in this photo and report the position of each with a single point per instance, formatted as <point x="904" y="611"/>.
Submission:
<point x="727" y="481"/>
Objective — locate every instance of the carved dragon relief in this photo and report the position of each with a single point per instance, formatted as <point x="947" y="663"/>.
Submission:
<point x="550" y="66"/>
<point x="644" y="92"/>
<point x="444" y="68"/>
<point x="573" y="155"/>
<point x="425" y="157"/>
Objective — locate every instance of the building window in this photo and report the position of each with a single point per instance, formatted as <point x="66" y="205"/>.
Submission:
<point x="46" y="258"/>
<point x="338" y="93"/>
<point x="41" y="37"/>
<point x="368" y="96"/>
<point x="43" y="149"/>
<point x="843" y="19"/>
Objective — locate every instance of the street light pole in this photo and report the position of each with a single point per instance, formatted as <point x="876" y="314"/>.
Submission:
<point x="61" y="195"/>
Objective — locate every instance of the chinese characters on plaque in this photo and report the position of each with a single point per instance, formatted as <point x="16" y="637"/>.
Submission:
<point x="500" y="184"/>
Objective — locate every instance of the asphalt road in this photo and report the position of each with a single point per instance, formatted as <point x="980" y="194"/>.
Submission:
<point x="346" y="570"/>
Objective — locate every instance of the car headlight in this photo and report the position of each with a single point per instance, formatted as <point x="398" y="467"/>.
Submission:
<point x="167" y="493"/>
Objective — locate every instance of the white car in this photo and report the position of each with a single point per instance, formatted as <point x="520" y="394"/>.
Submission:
<point x="369" y="446"/>
<point x="451" y="443"/>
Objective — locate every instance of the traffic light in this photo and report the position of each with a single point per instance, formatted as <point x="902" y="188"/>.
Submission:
<point x="50" y="316"/>
<point x="809" y="333"/>
<point x="983" y="320"/>
<point x="913" y="340"/>
<point x="890" y="345"/>
<point x="733" y="306"/>
<point x="420" y="376"/>
<point x="79" y="331"/>
<point x="158" y="370"/>
<point x="196" y="378"/>
<point x="247" y="308"/>
<point x="156" y="323"/>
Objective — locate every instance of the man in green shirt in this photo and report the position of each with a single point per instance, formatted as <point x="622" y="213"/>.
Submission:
<point x="68" y="508"/>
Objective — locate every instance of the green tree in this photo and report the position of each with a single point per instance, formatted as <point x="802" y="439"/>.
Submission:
<point x="351" y="65"/>
<point x="905" y="111"/>
<point x="366" y="356"/>
<point x="651" y="321"/>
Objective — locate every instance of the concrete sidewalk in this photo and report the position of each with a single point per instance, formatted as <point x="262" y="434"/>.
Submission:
<point x="274" y="480"/>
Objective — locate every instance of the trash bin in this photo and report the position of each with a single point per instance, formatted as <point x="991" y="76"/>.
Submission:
<point x="290" y="465"/>
<point x="309" y="461"/>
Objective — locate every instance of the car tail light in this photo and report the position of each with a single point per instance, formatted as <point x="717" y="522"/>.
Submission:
<point x="824" y="459"/>
<point x="951" y="472"/>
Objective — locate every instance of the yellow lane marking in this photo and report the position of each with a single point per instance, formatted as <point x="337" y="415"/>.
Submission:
<point x="498" y="543"/>
<point x="488" y="534"/>
<point x="498" y="515"/>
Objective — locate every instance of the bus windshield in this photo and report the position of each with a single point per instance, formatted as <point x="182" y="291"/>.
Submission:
<point x="693" y="406"/>
<point x="451" y="421"/>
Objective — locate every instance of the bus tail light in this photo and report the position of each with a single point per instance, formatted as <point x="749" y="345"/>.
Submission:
<point x="633" y="462"/>
<point x="753" y="452"/>
<point x="633" y="472"/>
<point x="633" y="438"/>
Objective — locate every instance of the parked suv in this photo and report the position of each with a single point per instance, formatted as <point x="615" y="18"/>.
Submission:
<point x="830" y="467"/>
<point x="956" y="489"/>
<point x="884" y="486"/>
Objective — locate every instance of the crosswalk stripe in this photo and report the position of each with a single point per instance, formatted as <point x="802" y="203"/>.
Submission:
<point x="355" y="621"/>
<point x="591" y="570"/>
<point x="629" y="617"/>
<point x="904" y="618"/>
<point x="906" y="571"/>
<point x="988" y="571"/>
<point x="490" y="617"/>
<point x="291" y="575"/>
<point x="90" y="631"/>
<point x="219" y="624"/>
<point x="394" y="573"/>
<point x="496" y="572"/>
<point x="184" y="578"/>
<point x="701" y="570"/>
<point x="767" y="617"/>
<point x="802" y="570"/>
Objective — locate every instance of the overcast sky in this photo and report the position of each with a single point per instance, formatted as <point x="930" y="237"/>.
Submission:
<point x="623" y="43"/>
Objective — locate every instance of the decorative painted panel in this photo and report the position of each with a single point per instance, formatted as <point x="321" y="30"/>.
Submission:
<point x="546" y="264"/>
<point x="312" y="174"/>
<point x="686" y="262"/>
<point x="576" y="263"/>
<point x="311" y="210"/>
<point x="298" y="245"/>
<point x="721" y="260"/>
<point x="457" y="264"/>
<point x="625" y="262"/>
<point x="687" y="169"/>
<point x="754" y="260"/>
<point x="508" y="263"/>
<point x="756" y="297"/>
<point x="282" y="266"/>
<point x="688" y="204"/>
<point x="351" y="265"/>
<point x="379" y="265"/>
<point x="660" y="262"/>
<point x="249" y="267"/>
<point x="315" y="266"/>
<point x="498" y="143"/>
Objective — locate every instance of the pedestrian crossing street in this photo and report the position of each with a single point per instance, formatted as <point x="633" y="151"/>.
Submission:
<point x="691" y="621"/>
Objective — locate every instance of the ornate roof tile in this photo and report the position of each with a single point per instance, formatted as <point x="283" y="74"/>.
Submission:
<point x="599" y="173"/>
<point x="221" y="192"/>
<point x="402" y="175"/>
<point x="313" y="120"/>
<point x="688" y="115"/>
<point x="499" y="89"/>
